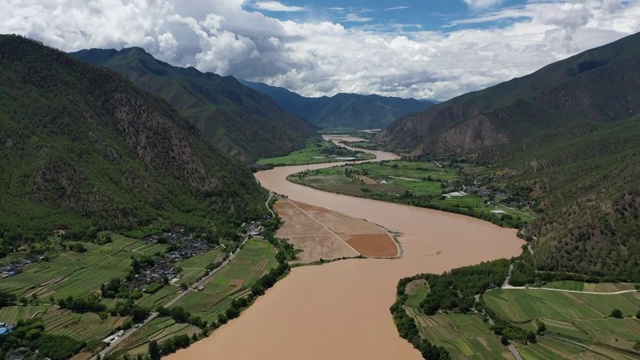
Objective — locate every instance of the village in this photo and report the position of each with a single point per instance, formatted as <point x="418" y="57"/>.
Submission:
<point x="180" y="245"/>
<point x="16" y="267"/>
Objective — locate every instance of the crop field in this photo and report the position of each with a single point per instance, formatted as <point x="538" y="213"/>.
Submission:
<point x="598" y="287"/>
<point x="159" y="298"/>
<point x="75" y="274"/>
<point x="465" y="336"/>
<point x="159" y="329"/>
<point x="413" y="183"/>
<point x="82" y="327"/>
<point x="526" y="305"/>
<point x="579" y="317"/>
<point x="11" y="314"/>
<point x="254" y="260"/>
<point x="316" y="152"/>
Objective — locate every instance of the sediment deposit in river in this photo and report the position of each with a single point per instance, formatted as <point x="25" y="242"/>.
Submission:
<point x="341" y="310"/>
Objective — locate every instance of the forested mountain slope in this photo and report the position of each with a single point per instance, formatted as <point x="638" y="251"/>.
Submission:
<point x="242" y="121"/>
<point x="82" y="147"/>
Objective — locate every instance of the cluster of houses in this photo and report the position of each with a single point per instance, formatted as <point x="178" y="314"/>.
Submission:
<point x="163" y="268"/>
<point x="187" y="246"/>
<point x="485" y="193"/>
<point x="16" y="267"/>
<point x="253" y="228"/>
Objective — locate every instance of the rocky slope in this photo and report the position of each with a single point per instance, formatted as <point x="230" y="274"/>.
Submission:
<point x="242" y="121"/>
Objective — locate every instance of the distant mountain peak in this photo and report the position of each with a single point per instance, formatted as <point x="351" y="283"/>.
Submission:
<point x="343" y="110"/>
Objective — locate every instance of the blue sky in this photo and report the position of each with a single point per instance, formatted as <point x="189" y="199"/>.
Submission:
<point x="384" y="15"/>
<point x="429" y="49"/>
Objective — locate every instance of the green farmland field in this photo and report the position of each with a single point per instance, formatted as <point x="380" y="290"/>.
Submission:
<point x="579" y="317"/>
<point x="316" y="152"/>
<point x="254" y="260"/>
<point x="407" y="182"/>
<point x="465" y="336"/>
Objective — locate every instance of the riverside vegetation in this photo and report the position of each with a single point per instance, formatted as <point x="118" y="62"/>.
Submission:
<point x="317" y="151"/>
<point x="436" y="185"/>
<point x="464" y="314"/>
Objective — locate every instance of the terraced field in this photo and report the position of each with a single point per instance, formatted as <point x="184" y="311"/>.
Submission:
<point x="581" y="318"/>
<point x="82" y="327"/>
<point x="526" y="305"/>
<point x="234" y="280"/>
<point x="159" y="329"/>
<point x="465" y="336"/>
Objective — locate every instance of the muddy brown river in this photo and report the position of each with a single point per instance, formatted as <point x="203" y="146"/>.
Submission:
<point x="341" y="310"/>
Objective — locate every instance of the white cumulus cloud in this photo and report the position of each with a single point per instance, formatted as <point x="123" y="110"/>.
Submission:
<point x="314" y="58"/>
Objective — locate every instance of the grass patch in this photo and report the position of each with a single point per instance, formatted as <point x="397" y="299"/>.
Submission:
<point x="413" y="183"/>
<point x="316" y="152"/>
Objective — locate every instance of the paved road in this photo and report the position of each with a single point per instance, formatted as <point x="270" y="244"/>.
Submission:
<point x="182" y="294"/>
<point x="267" y="204"/>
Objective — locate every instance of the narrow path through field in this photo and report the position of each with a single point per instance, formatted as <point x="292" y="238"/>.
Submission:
<point x="509" y="287"/>
<point x="324" y="226"/>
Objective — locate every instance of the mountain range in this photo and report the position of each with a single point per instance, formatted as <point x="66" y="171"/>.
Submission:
<point x="569" y="132"/>
<point x="343" y="111"/>
<point x="242" y="121"/>
<point x="82" y="147"/>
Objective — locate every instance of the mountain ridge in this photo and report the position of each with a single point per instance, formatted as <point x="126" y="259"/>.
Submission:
<point x="81" y="147"/>
<point x="241" y="120"/>
<point x="568" y="134"/>
<point x="549" y="98"/>
<point x="343" y="110"/>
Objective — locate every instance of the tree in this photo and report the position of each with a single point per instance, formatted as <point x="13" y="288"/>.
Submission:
<point x="504" y="339"/>
<point x="184" y="286"/>
<point x="616" y="313"/>
<point x="154" y="350"/>
<point x="542" y="328"/>
<point x="638" y="315"/>
<point x="531" y="337"/>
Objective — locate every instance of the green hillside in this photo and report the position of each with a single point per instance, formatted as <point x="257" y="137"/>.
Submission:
<point x="242" y="121"/>
<point x="598" y="86"/>
<point x="570" y="134"/>
<point x="81" y="147"/>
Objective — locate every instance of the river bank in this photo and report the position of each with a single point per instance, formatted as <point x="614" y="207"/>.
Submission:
<point x="340" y="310"/>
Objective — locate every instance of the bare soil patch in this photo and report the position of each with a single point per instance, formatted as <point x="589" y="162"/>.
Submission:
<point x="237" y="284"/>
<point x="323" y="234"/>
<point x="365" y="179"/>
<point x="377" y="245"/>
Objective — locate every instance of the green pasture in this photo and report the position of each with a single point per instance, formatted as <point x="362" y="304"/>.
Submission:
<point x="311" y="154"/>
